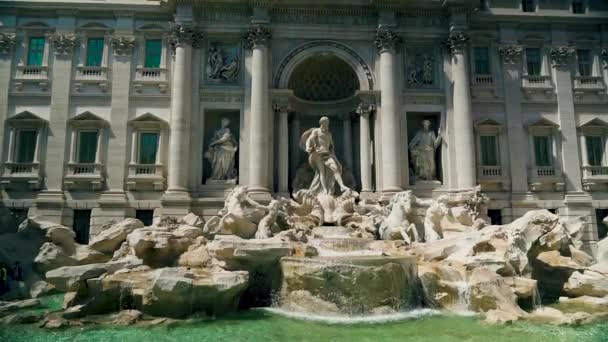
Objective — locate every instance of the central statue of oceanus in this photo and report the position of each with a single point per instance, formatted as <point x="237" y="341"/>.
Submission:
<point x="319" y="145"/>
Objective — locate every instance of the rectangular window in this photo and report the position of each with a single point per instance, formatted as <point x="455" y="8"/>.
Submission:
<point x="94" y="51"/>
<point x="482" y="60"/>
<point x="528" y="5"/>
<point x="153" y="53"/>
<point x="148" y="147"/>
<point x="584" y="62"/>
<point x="595" y="150"/>
<point x="26" y="146"/>
<point x="87" y="146"/>
<point x="82" y="225"/>
<point x="533" y="61"/>
<point x="35" y="52"/>
<point x="578" y="7"/>
<point x="542" y="151"/>
<point x="489" y="150"/>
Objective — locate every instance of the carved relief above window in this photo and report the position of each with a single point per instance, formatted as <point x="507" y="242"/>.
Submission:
<point x="421" y="67"/>
<point x="223" y="63"/>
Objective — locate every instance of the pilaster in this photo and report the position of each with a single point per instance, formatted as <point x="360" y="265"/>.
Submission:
<point x="7" y="46"/>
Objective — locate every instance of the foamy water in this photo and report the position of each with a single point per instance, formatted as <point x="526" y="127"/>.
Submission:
<point x="369" y="319"/>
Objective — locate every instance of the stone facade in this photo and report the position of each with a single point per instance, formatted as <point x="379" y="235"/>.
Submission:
<point x="512" y="99"/>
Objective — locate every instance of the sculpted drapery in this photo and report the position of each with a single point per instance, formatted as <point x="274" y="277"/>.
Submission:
<point x="221" y="152"/>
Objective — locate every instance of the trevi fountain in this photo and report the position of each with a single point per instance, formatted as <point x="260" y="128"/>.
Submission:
<point x="301" y="267"/>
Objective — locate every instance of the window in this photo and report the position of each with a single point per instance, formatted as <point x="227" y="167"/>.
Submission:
<point x="26" y="146"/>
<point x="35" y="52"/>
<point x="533" y="61"/>
<point x="495" y="216"/>
<point x="528" y="5"/>
<point x="482" y="60"/>
<point x="542" y="150"/>
<point x="94" y="51"/>
<point x="148" y="147"/>
<point x="584" y="62"/>
<point x="153" y="53"/>
<point x="578" y="7"/>
<point x="87" y="147"/>
<point x="595" y="150"/>
<point x="145" y="216"/>
<point x="489" y="150"/>
<point x="82" y="225"/>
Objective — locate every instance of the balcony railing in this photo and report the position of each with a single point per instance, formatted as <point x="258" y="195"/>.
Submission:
<point x="32" y="72"/>
<point x="544" y="171"/>
<point x="84" y="169"/>
<point x="483" y="80"/>
<point x="588" y="83"/>
<point x="144" y="170"/>
<point x="537" y="81"/>
<point x="91" y="73"/>
<point x="595" y="172"/>
<point x="22" y="169"/>
<point x="485" y="171"/>
<point x="151" y="74"/>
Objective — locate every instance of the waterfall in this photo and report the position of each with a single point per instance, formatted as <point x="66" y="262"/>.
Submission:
<point x="536" y="299"/>
<point x="464" y="293"/>
<point x="126" y="301"/>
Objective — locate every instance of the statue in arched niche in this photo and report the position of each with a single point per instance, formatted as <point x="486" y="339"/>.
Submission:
<point x="422" y="149"/>
<point x="221" y="153"/>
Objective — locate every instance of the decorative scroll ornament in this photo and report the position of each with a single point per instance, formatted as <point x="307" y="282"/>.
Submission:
<point x="63" y="44"/>
<point x="560" y="55"/>
<point x="510" y="53"/>
<point x="185" y="34"/>
<point x="7" y="41"/>
<point x="386" y="39"/>
<point x="456" y="42"/>
<point x="257" y="35"/>
<point x="122" y="45"/>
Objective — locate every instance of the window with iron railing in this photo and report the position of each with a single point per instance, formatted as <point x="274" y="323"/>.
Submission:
<point x="533" y="61"/>
<point x="25" y="148"/>
<point x="87" y="146"/>
<point x="482" y="60"/>
<point x="95" y="48"/>
<point x="489" y="150"/>
<point x="153" y="52"/>
<point x="585" y="63"/>
<point x="543" y="152"/>
<point x="35" y="53"/>
<point x="595" y="150"/>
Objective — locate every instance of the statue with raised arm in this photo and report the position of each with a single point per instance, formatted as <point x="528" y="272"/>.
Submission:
<point x="319" y="145"/>
<point x="221" y="152"/>
<point x="422" y="149"/>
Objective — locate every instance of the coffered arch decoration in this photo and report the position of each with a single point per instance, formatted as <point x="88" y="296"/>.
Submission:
<point x="322" y="48"/>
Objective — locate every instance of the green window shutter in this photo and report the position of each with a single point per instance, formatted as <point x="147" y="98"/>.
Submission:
<point x="482" y="60"/>
<point x="26" y="146"/>
<point x="595" y="150"/>
<point x="153" y="53"/>
<point x="95" y="51"/>
<point x="489" y="150"/>
<point x="148" y="147"/>
<point x="542" y="151"/>
<point x="35" y="52"/>
<point x="87" y="146"/>
<point x="533" y="61"/>
<point x="584" y="62"/>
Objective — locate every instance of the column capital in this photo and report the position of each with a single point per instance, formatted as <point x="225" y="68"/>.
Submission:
<point x="7" y="42"/>
<point x="282" y="108"/>
<point x="456" y="42"/>
<point x="510" y="53"/>
<point x="387" y="39"/>
<point x="122" y="45"/>
<point x="365" y="110"/>
<point x="63" y="44"/>
<point x="186" y="34"/>
<point x="257" y="35"/>
<point x="560" y="55"/>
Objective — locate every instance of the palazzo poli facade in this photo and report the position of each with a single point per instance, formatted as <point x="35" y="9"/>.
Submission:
<point x="113" y="109"/>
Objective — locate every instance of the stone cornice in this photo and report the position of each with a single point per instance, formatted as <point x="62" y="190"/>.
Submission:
<point x="560" y="55"/>
<point x="63" y="44"/>
<point x="257" y="35"/>
<point x="7" y="42"/>
<point x="122" y="45"/>
<point x="387" y="39"/>
<point x="510" y="53"/>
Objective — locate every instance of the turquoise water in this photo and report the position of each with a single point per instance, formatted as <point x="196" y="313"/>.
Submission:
<point x="260" y="325"/>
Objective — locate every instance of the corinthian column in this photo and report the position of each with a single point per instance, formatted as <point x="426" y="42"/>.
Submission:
<point x="183" y="37"/>
<point x="257" y="39"/>
<point x="463" y="120"/>
<point x="387" y="42"/>
<point x="365" y="112"/>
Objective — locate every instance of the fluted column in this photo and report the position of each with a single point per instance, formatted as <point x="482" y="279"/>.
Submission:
<point x="463" y="119"/>
<point x="182" y="36"/>
<point x="364" y="112"/>
<point x="295" y="144"/>
<point x="387" y="42"/>
<point x="257" y="39"/>
<point x="347" y="140"/>
<point x="283" y="113"/>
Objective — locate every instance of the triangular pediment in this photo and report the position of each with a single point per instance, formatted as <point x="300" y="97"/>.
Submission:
<point x="542" y="122"/>
<point x="87" y="116"/>
<point x="152" y="27"/>
<point x="595" y="123"/>
<point x="94" y="26"/>
<point x="487" y="122"/>
<point x="148" y="117"/>
<point x="26" y="116"/>
<point x="35" y="24"/>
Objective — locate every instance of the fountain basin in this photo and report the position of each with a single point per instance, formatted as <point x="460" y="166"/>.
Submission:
<point x="348" y="285"/>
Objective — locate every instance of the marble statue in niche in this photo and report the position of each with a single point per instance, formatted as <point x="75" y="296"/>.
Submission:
<point x="422" y="150"/>
<point x="221" y="153"/>
<point x="319" y="145"/>
<point x="421" y="69"/>
<point x="222" y="63"/>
